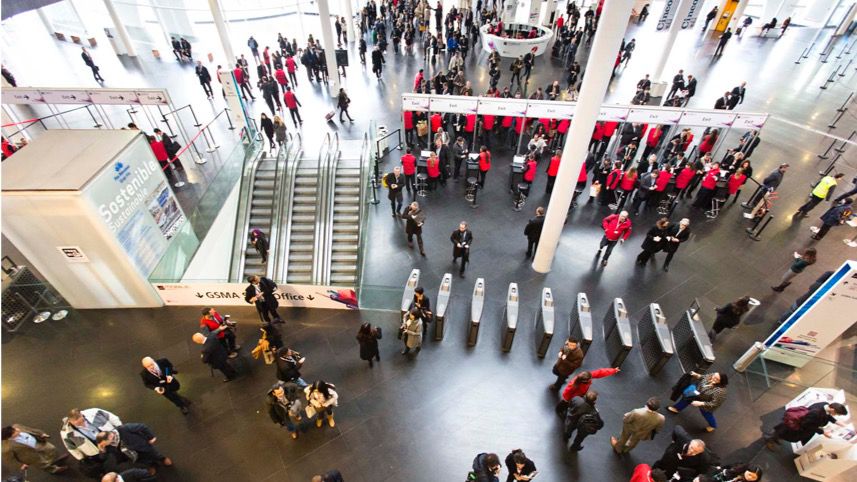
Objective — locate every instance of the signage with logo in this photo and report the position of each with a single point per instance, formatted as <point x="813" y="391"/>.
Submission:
<point x="232" y="294"/>
<point x="654" y="116"/>
<point x="455" y="104"/>
<point x="73" y="254"/>
<point x="17" y="95"/>
<point x="717" y="118"/>
<point x="66" y="97"/>
<point x="497" y="106"/>
<point x="237" y="108"/>
<point x="415" y="102"/>
<point x="689" y="20"/>
<point x="550" y="110"/>
<point x="666" y="18"/>
<point x="750" y="121"/>
<point x="613" y="113"/>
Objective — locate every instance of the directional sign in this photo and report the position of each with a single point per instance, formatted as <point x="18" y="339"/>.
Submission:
<point x="66" y="97"/>
<point x="22" y="96"/>
<point x="113" y="97"/>
<point x="457" y="104"/>
<point x="152" y="98"/>
<point x="220" y="294"/>
<point x="415" y="102"/>
<point x="654" y="116"/>
<point x="546" y="109"/>
<point x="716" y="118"/>
<point x="750" y="121"/>
<point x="498" y="106"/>
<point x="613" y="113"/>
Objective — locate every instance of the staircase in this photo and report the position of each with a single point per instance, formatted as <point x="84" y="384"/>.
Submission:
<point x="346" y="224"/>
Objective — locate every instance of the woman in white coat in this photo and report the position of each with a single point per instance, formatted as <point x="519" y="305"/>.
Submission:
<point x="412" y="331"/>
<point x="321" y="398"/>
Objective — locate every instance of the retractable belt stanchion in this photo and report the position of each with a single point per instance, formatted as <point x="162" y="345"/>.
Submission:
<point x="442" y="306"/>
<point x="477" y="301"/>
<point x="544" y="322"/>
<point x="617" y="333"/>
<point x="410" y="286"/>
<point x="692" y="345"/>
<point x="580" y="323"/>
<point x="510" y="315"/>
<point x="656" y="341"/>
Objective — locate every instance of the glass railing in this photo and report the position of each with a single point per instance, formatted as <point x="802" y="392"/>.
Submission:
<point x="182" y="248"/>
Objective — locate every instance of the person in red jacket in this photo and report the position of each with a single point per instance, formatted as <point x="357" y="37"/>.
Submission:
<point x="709" y="184"/>
<point x="291" y="68"/>
<point x="683" y="179"/>
<point x="488" y="122"/>
<point x="597" y="135"/>
<point x="653" y="138"/>
<point x="627" y="186"/>
<point x="552" y="170"/>
<point x="213" y="322"/>
<point x="433" y="170"/>
<point x="644" y="473"/>
<point x="160" y="154"/>
<point x="708" y="142"/>
<point x="408" y="124"/>
<point x="436" y="122"/>
<point x="409" y="169"/>
<point x="292" y="103"/>
<point x="580" y="384"/>
<point x="280" y="75"/>
<point x="530" y="169"/>
<point x="242" y="81"/>
<point x="661" y="184"/>
<point x="484" y="164"/>
<point x="611" y="185"/>
<point x="607" y="134"/>
<point x="617" y="228"/>
<point x="582" y="179"/>
<point x="735" y="182"/>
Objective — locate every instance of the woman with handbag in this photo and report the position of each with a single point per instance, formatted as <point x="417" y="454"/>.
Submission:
<point x="321" y="398"/>
<point x="706" y="392"/>
<point x="367" y="337"/>
<point x="422" y="304"/>
<point x="411" y="331"/>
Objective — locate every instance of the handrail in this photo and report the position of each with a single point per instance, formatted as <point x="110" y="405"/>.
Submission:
<point x="239" y="240"/>
<point x="281" y="256"/>
<point x="327" y="226"/>
<point x="365" y="157"/>
<point x="276" y="211"/>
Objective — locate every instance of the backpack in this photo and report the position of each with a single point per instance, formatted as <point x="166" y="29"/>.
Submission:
<point x="591" y="422"/>
<point x="793" y="416"/>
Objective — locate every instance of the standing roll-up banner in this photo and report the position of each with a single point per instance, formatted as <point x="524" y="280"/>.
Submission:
<point x="825" y="315"/>
<point x="667" y="16"/>
<point x="690" y="19"/>
<point x="237" y="108"/>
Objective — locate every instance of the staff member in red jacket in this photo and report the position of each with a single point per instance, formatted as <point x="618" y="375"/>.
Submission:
<point x="683" y="179"/>
<point x="580" y="384"/>
<point x="611" y="185"/>
<point x="292" y="103"/>
<point x="597" y="135"/>
<point x="627" y="185"/>
<point x="408" y="124"/>
<point x="530" y="170"/>
<point x="552" y="170"/>
<point x="487" y="127"/>
<point x="652" y="140"/>
<point x="617" y="228"/>
<point x="582" y="179"/>
<point x="484" y="164"/>
<point x="644" y="473"/>
<point x="433" y="170"/>
<point x="709" y="184"/>
<point x="735" y="182"/>
<point x="409" y="169"/>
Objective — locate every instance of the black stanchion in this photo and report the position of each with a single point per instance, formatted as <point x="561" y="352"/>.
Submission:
<point x="827" y="151"/>
<point x="830" y="79"/>
<point x="844" y="105"/>
<point x="747" y="204"/>
<point x="374" y="191"/>
<point x="756" y="235"/>
<point x="841" y="148"/>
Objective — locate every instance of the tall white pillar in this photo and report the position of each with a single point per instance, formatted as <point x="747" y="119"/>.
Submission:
<point x="608" y="39"/>
<point x="222" y="32"/>
<point x="675" y="27"/>
<point x="120" y="28"/>
<point x="349" y="16"/>
<point x="79" y="18"/>
<point x="328" y="45"/>
<point x="45" y="20"/>
<point x="736" y="16"/>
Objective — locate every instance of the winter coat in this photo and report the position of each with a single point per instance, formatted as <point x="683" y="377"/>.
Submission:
<point x="614" y="229"/>
<point x="415" y="219"/>
<point x="280" y="414"/>
<point x="673" y="232"/>
<point x="583" y="417"/>
<point x="369" y="344"/>
<point x="76" y="443"/>
<point x="652" y="245"/>
<point x="412" y="331"/>
<point x="568" y="360"/>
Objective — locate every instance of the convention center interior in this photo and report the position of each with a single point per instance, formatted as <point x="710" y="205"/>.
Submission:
<point x="552" y="240"/>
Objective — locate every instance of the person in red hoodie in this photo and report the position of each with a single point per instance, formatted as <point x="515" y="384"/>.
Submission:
<point x="409" y="169"/>
<point x="653" y="139"/>
<point x="433" y="170"/>
<point x="291" y="68"/>
<point x="708" y="142"/>
<point x="735" y="182"/>
<point x="580" y="384"/>
<point x="644" y="473"/>
<point x="661" y="185"/>
<point x="487" y="127"/>
<point x="530" y="170"/>
<point x="617" y="228"/>
<point x="597" y="135"/>
<point x="709" y="184"/>
<point x="408" y="124"/>
<point x="160" y="154"/>
<point x="484" y="164"/>
<point x="212" y="321"/>
<point x="562" y="130"/>
<point x="280" y="75"/>
<point x="553" y="169"/>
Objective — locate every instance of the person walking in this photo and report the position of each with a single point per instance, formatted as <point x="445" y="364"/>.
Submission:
<point x="709" y="17"/>
<point x="292" y="68"/>
<point x="159" y="375"/>
<point x="461" y="240"/>
<point x="395" y="182"/>
<point x="801" y="424"/>
<point x="409" y="169"/>
<point x="367" y="338"/>
<point x="377" y="62"/>
<point x="569" y="359"/>
<point x="654" y="242"/>
<point x="289" y="363"/>
<point x="834" y="216"/>
<point x="721" y="44"/>
<point x="677" y="234"/>
<point x="486" y="468"/>
<point x="260" y="292"/>
<point x="411" y="331"/>
<point x="533" y="232"/>
<point x="285" y="407"/>
<point x="280" y="131"/>
<point x="260" y="242"/>
<point x="617" y="228"/>
<point x="267" y="127"/>
<point x="684" y="457"/>
<point x="321" y="399"/>
<point x="849" y="193"/>
<point x="78" y="433"/>
<point x="414" y="226"/>
<point x="583" y="417"/>
<point x="292" y="103"/>
<point x="800" y="263"/>
<point x="343" y="101"/>
<point x="484" y="165"/>
<point x="737" y="95"/>
<point x="254" y="47"/>
<point x="639" y="424"/>
<point x="171" y="147"/>
<point x="459" y="154"/>
<point x="823" y="191"/>
<point x="215" y="355"/>
<point x="24" y="446"/>
<point x="706" y="392"/>
<point x="204" y="79"/>
<point x="770" y="184"/>
<point x="520" y="467"/>
<point x="729" y="316"/>
<point x="552" y="170"/>
<point x="128" y="439"/>
<point x="87" y="59"/>
<point x="580" y="384"/>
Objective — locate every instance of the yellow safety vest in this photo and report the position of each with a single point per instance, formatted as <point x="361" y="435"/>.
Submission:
<point x="823" y="187"/>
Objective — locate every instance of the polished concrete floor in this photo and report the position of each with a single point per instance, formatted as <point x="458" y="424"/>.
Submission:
<point x="425" y="418"/>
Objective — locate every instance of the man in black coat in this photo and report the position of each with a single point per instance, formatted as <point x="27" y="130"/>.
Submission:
<point x="582" y="417"/>
<point x="395" y="183"/>
<point x="737" y="96"/>
<point x="533" y="232"/>
<point x="204" y="78"/>
<point x="377" y="62"/>
<point x="677" y="234"/>
<point x="461" y="239"/>
<point x="159" y="375"/>
<point x="260" y="292"/>
<point x="691" y="88"/>
<point x="87" y="59"/>
<point x="678" y="83"/>
<point x="684" y="456"/>
<point x="723" y="102"/>
<point x="214" y="354"/>
<point x="724" y="37"/>
<point x="137" y="437"/>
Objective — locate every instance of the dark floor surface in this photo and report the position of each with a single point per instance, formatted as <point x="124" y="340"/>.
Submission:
<point x="424" y="419"/>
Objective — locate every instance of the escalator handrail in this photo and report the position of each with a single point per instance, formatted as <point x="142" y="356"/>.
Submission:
<point x="286" y="201"/>
<point x="335" y="155"/>
<point x="280" y="178"/>
<point x="365" y="154"/>
<point x="239" y="242"/>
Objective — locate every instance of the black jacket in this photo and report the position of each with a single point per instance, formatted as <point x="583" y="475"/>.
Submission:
<point x="722" y="103"/>
<point x="465" y="238"/>
<point x="649" y="244"/>
<point x="288" y="368"/>
<point x="267" y="287"/>
<point x="583" y="417"/>
<point x="529" y="467"/>
<point x="686" y="467"/>
<point x="673" y="232"/>
<point x="278" y="413"/>
<point x="399" y="184"/>
<point x="679" y="386"/>
<point x="726" y="317"/>
<point x="213" y="352"/>
<point x="369" y="345"/>
<point x="202" y="73"/>
<point x="480" y="468"/>
<point x="151" y="381"/>
<point x="533" y="231"/>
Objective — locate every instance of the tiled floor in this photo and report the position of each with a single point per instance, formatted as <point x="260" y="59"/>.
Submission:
<point x="424" y="419"/>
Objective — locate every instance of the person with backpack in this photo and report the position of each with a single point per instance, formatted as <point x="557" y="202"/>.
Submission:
<point x="486" y="468"/>
<point x="285" y="407"/>
<point x="800" y="424"/>
<point x="583" y="417"/>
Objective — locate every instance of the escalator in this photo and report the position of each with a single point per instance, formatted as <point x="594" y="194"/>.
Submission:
<point x="343" y="242"/>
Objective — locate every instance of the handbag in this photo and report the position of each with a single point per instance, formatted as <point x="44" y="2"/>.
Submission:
<point x="690" y="391"/>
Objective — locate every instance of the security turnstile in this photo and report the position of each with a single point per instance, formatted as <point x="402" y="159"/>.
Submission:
<point x="580" y="323"/>
<point x="692" y="345"/>
<point x="510" y="315"/>
<point x="410" y="285"/>
<point x="477" y="301"/>
<point x="656" y="341"/>
<point x="544" y="323"/>
<point x="442" y="306"/>
<point x="617" y="333"/>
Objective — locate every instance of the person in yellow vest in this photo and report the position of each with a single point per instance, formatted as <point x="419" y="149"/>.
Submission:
<point x="823" y="191"/>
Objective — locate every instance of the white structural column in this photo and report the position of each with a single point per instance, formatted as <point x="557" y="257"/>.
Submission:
<point x="45" y="20"/>
<point x="79" y="18"/>
<point x="675" y="27"/>
<point x="328" y="45"/>
<point x="349" y="16"/>
<point x="222" y="32"/>
<point x="120" y="28"/>
<point x="608" y="39"/>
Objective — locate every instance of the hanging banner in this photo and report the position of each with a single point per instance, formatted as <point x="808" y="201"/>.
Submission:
<point x="22" y="96"/>
<point x="666" y="18"/>
<point x="66" y="97"/>
<point x="415" y="102"/>
<point x="716" y="118"/>
<point x="613" y="113"/>
<point x="750" y="121"/>
<point x="654" y="116"/>
<point x="690" y="19"/>
<point x="820" y="320"/>
<point x="232" y="294"/>
<point x="50" y="95"/>
<point x="542" y="109"/>
<point x="454" y="104"/>
<point x="498" y="106"/>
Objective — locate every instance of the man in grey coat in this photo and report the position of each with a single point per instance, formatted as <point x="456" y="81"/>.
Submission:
<point x="640" y="424"/>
